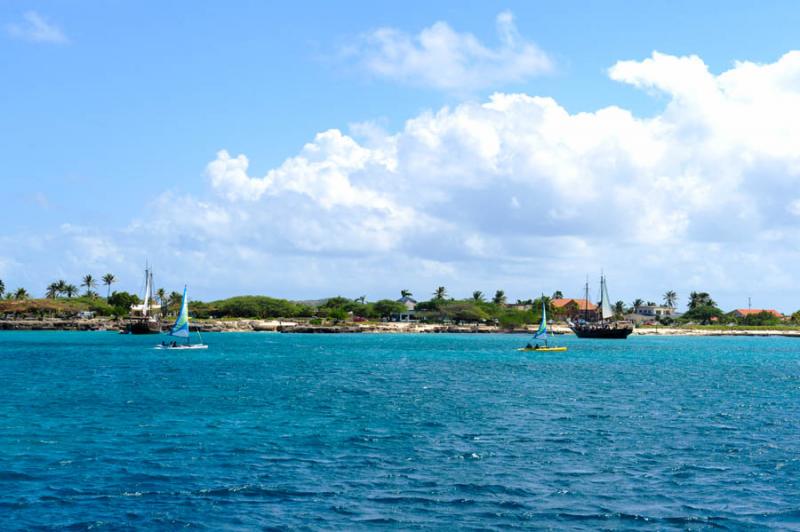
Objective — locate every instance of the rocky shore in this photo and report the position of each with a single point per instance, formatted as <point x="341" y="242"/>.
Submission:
<point x="246" y="325"/>
<point x="281" y="326"/>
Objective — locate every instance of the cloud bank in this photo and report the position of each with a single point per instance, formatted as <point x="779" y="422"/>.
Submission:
<point x="515" y="192"/>
<point x="441" y="58"/>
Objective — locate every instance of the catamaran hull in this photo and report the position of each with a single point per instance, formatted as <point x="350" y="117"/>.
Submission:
<point x="608" y="333"/>
<point x="182" y="347"/>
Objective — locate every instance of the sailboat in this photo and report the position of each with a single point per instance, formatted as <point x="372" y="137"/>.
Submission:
<point x="604" y="325"/>
<point x="541" y="334"/>
<point x="180" y="329"/>
<point x="145" y="318"/>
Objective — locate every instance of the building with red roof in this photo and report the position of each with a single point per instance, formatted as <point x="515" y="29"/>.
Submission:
<point x="573" y="308"/>
<point x="743" y="312"/>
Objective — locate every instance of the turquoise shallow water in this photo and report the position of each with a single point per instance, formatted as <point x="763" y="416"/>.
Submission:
<point x="404" y="431"/>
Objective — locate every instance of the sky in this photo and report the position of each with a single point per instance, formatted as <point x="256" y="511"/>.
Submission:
<point x="361" y="148"/>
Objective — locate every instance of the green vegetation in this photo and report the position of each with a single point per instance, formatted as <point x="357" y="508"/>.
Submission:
<point x="247" y="307"/>
<point x="670" y="298"/>
<point x="475" y="311"/>
<point x="89" y="283"/>
<point x="703" y="314"/>
<point x="59" y="307"/>
<point x="121" y="302"/>
<point x="760" y="319"/>
<point x="499" y="298"/>
<point x="60" y="301"/>
<point x="108" y="280"/>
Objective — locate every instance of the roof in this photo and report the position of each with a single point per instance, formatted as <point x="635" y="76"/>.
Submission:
<point x="751" y="311"/>
<point x="581" y="303"/>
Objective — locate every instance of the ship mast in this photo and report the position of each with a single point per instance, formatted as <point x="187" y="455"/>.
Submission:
<point x="147" y="278"/>
<point x="586" y="301"/>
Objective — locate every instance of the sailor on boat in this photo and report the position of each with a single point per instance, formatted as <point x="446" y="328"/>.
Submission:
<point x="541" y="333"/>
<point x="181" y="329"/>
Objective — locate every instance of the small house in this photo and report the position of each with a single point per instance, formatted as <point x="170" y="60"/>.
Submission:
<point x="744" y="312"/>
<point x="573" y="308"/>
<point x="654" y="311"/>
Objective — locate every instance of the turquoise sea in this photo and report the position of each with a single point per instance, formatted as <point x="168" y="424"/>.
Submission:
<point x="97" y="430"/>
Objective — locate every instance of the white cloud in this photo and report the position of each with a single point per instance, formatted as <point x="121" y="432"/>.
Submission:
<point x="514" y="193"/>
<point x="36" y="29"/>
<point x="442" y="58"/>
<point x="519" y="180"/>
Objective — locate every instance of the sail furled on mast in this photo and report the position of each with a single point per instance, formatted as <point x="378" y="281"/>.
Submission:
<point x="181" y="326"/>
<point x="147" y="289"/>
<point x="606" y="313"/>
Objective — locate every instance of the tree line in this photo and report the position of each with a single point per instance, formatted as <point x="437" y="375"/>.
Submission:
<point x="701" y="308"/>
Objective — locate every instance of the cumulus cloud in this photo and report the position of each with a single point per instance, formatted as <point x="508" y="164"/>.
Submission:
<point x="36" y="29"/>
<point x="442" y="58"/>
<point x="518" y="180"/>
<point x="516" y="192"/>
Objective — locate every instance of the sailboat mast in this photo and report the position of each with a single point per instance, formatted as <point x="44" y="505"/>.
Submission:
<point x="605" y="303"/>
<point x="586" y="301"/>
<point x="146" y="304"/>
<point x="152" y="290"/>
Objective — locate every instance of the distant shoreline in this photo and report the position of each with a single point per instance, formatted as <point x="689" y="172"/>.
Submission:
<point x="289" y="326"/>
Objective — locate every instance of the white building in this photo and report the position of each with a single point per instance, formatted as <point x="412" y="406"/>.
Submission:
<point x="654" y="311"/>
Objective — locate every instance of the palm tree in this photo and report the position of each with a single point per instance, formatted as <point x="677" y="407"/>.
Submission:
<point x="89" y="283"/>
<point x="361" y="299"/>
<point x="670" y="298"/>
<point x="700" y="299"/>
<point x="440" y="293"/>
<point x="638" y="302"/>
<point x="161" y="294"/>
<point x="61" y="286"/>
<point x="52" y="291"/>
<point x="477" y="296"/>
<point x="405" y="293"/>
<point x="2" y="288"/>
<point x="499" y="298"/>
<point x="21" y="293"/>
<point x="70" y="290"/>
<point x="558" y="295"/>
<point x="108" y="280"/>
<point x="619" y="308"/>
<point x="174" y="299"/>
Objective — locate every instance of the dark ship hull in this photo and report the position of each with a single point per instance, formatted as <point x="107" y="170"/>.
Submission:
<point x="610" y="332"/>
<point x="143" y="326"/>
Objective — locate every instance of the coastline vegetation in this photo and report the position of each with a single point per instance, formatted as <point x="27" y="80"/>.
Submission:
<point x="62" y="299"/>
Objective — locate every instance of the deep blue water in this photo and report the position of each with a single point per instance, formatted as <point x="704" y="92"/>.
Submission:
<point x="404" y="431"/>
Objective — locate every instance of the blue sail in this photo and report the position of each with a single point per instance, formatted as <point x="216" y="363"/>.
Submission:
<point x="181" y="326"/>
<point x="541" y="332"/>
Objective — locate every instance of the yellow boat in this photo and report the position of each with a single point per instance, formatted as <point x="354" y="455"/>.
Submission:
<point x="542" y="348"/>
<point x="541" y="334"/>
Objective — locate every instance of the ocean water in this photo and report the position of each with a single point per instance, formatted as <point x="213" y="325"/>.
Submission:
<point x="97" y="430"/>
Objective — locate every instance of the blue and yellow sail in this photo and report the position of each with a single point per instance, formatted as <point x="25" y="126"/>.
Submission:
<point x="181" y="326"/>
<point x="541" y="332"/>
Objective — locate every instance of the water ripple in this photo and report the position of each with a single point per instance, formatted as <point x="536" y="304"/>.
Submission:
<point x="98" y="431"/>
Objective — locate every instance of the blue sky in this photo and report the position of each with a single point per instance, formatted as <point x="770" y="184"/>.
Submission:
<point x="112" y="119"/>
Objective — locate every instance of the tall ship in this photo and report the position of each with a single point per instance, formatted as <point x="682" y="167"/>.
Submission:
<point x="602" y="323"/>
<point x="145" y="318"/>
